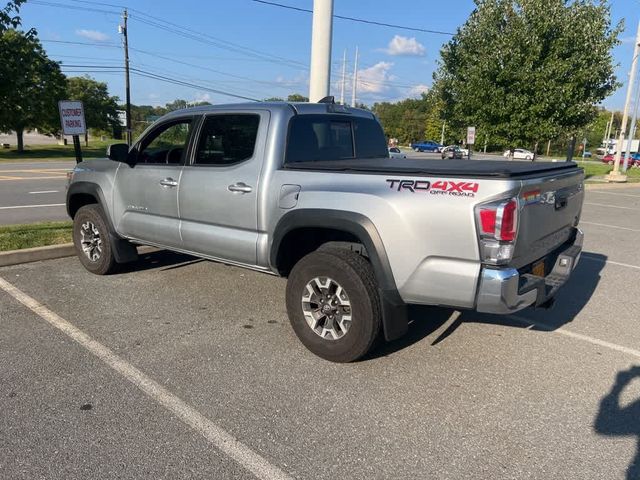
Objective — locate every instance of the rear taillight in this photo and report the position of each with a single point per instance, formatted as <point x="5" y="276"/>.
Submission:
<point x="497" y="224"/>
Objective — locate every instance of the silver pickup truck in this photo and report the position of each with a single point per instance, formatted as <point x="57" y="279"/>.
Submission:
<point x="308" y="192"/>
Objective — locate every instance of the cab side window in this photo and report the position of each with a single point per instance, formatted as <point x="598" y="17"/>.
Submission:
<point x="227" y="139"/>
<point x="166" y="145"/>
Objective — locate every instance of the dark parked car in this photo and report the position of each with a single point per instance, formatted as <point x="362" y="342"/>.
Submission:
<point x="426" y="146"/>
<point x="452" y="151"/>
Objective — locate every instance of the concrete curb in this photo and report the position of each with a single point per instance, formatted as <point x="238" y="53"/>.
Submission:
<point x="592" y="185"/>
<point x="26" y="255"/>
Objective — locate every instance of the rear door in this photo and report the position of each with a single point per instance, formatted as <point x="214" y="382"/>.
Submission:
<point x="218" y="194"/>
<point x="146" y="191"/>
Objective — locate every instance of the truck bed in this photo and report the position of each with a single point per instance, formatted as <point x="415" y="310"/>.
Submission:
<point x="443" y="168"/>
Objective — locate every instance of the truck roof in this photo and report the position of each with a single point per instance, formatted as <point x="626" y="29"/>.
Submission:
<point x="302" y="108"/>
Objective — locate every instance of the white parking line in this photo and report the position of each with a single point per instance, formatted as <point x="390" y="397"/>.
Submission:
<point x="215" y="435"/>
<point x="615" y="193"/>
<point x="578" y="336"/>
<point x="45" y="191"/>
<point x="33" y="206"/>
<point x="611" y="262"/>
<point x="609" y="226"/>
<point x="610" y="206"/>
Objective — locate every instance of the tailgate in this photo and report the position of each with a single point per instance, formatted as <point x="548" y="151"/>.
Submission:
<point x="551" y="209"/>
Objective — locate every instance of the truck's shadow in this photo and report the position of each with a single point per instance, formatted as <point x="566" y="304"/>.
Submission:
<point x="571" y="299"/>
<point x="616" y="421"/>
<point x="158" y="259"/>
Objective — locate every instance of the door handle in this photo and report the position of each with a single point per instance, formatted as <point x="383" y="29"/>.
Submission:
<point x="168" y="182"/>
<point x="240" y="187"/>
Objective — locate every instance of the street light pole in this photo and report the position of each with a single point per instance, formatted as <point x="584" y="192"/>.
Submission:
<point x="355" y="80"/>
<point x="632" y="130"/>
<point x="615" y="175"/>
<point x="344" y="76"/>
<point x="321" y="49"/>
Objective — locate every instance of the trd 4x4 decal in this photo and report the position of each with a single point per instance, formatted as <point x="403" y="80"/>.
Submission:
<point x="438" y="187"/>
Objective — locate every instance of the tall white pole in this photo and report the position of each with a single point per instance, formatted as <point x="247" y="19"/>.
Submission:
<point x="344" y="76"/>
<point x="632" y="130"/>
<point x="615" y="175"/>
<point x="321" y="49"/>
<point x="607" y="135"/>
<point x="355" y="80"/>
<point x="442" y="134"/>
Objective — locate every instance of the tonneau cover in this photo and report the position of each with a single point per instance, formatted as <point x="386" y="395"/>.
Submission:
<point x="443" y="168"/>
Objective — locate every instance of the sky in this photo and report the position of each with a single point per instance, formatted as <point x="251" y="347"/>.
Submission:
<point x="253" y="50"/>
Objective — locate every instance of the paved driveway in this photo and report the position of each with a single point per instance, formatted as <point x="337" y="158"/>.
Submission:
<point x="181" y="368"/>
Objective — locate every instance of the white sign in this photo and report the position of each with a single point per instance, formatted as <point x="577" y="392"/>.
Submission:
<point x="72" y="117"/>
<point x="471" y="135"/>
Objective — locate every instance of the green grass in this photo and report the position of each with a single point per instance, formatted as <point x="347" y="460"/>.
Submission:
<point x="592" y="170"/>
<point x="16" y="237"/>
<point x="96" y="149"/>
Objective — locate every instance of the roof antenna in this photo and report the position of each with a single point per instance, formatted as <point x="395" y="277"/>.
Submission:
<point x="329" y="99"/>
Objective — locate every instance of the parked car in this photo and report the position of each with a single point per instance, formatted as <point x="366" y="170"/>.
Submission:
<point x="587" y="154"/>
<point x="634" y="159"/>
<point x="452" y="151"/>
<point x="426" y="146"/>
<point x="306" y="193"/>
<point x="519" y="153"/>
<point x="465" y="152"/>
<point x="395" y="152"/>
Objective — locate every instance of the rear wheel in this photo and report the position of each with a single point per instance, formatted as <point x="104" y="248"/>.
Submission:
<point x="333" y="304"/>
<point x="91" y="240"/>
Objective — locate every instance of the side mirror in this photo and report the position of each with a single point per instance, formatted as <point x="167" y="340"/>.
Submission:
<point x="118" y="152"/>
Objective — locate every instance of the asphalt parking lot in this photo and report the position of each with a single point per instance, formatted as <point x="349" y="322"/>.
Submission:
<point x="182" y="368"/>
<point x="33" y="191"/>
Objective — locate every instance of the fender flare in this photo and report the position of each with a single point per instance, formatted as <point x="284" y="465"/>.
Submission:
<point x="122" y="250"/>
<point x="394" y="310"/>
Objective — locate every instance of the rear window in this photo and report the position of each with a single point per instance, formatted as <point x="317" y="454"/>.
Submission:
<point x="334" y="137"/>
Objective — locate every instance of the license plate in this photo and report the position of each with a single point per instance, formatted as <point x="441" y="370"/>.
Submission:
<point x="538" y="268"/>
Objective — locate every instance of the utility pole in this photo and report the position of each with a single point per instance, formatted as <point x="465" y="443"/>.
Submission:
<point x="355" y="80"/>
<point x="442" y="134"/>
<point x="125" y="32"/>
<point x="321" y="49"/>
<point x="344" y="73"/>
<point x="615" y="175"/>
<point x="632" y="130"/>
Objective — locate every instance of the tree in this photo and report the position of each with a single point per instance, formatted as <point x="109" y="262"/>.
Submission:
<point x="523" y="71"/>
<point x="9" y="16"/>
<point x="296" y="97"/>
<point x="100" y="109"/>
<point x="30" y="86"/>
<point x="274" y="99"/>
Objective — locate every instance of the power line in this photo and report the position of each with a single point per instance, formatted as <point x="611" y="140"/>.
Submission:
<point x="76" y="68"/>
<point x="359" y="20"/>
<point x="144" y="73"/>
<point x="73" y="7"/>
<point x="92" y="44"/>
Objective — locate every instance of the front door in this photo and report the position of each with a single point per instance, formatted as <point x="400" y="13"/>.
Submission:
<point x="146" y="190"/>
<point x="218" y="194"/>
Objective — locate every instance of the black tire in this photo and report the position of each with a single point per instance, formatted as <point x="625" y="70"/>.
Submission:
<point x="105" y="262"/>
<point x="355" y="275"/>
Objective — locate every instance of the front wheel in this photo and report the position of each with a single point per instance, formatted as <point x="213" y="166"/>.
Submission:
<point x="333" y="304"/>
<point x="91" y="240"/>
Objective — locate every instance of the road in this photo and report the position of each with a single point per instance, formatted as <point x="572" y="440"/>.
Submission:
<point x="182" y="368"/>
<point x="33" y="191"/>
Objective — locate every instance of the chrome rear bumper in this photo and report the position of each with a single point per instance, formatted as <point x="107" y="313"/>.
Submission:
<point x="504" y="290"/>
